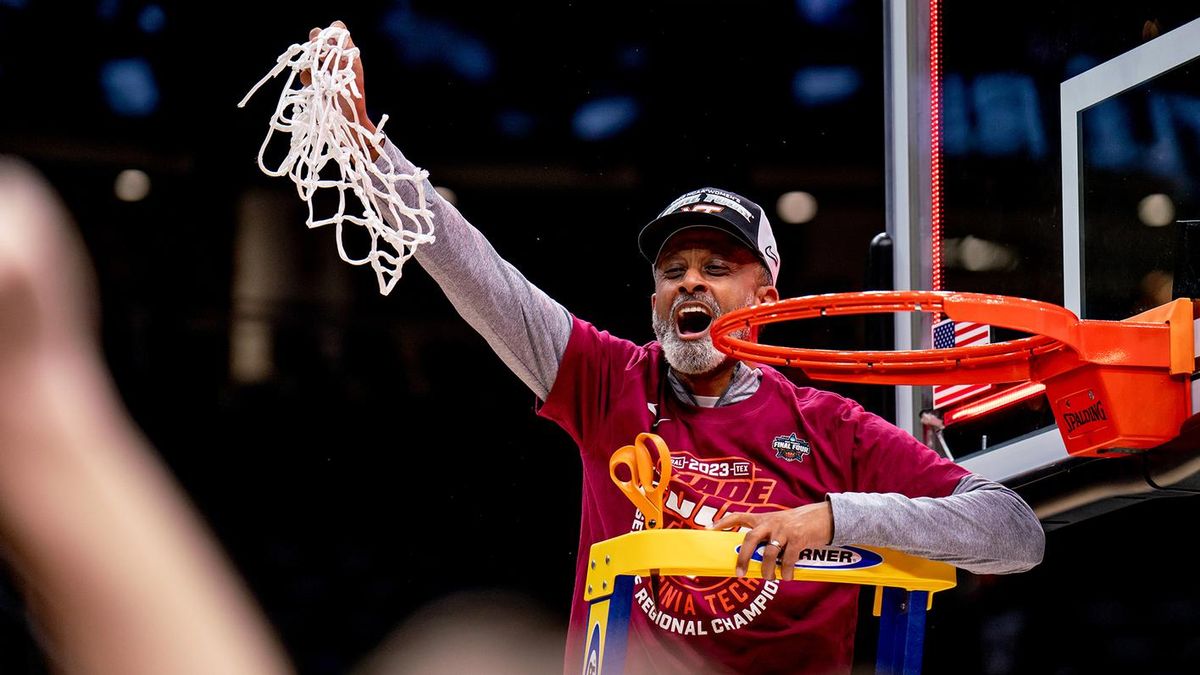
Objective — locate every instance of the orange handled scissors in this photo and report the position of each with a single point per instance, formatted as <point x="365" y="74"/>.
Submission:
<point x="641" y="488"/>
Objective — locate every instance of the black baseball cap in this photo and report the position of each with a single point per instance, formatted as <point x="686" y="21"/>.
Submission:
<point x="717" y="209"/>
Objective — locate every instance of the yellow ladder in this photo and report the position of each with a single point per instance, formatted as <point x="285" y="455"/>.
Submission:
<point x="904" y="588"/>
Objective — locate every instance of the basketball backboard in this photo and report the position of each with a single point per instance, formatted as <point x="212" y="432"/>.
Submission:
<point x="1130" y="164"/>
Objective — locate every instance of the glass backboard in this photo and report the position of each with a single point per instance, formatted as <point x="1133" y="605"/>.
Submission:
<point x="1130" y="160"/>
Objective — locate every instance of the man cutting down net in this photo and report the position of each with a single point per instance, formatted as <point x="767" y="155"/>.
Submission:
<point x="795" y="467"/>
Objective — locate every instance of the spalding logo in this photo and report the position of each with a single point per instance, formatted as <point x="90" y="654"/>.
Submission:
<point x="591" y="660"/>
<point x="830" y="558"/>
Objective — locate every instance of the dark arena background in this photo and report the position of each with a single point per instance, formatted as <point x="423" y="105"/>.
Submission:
<point x="373" y="471"/>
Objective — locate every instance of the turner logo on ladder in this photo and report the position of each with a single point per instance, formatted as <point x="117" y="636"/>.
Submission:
<point x="949" y="333"/>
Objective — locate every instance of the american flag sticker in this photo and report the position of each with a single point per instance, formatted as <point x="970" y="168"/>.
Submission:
<point x="949" y="333"/>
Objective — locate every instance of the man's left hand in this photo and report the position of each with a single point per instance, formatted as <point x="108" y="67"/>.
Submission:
<point x="784" y="533"/>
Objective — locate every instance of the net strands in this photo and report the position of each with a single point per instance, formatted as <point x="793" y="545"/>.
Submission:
<point x="322" y="136"/>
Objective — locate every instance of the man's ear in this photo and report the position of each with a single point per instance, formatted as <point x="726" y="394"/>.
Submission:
<point x="766" y="294"/>
<point x="654" y="302"/>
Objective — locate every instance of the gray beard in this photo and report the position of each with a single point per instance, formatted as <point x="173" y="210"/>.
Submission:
<point x="691" y="357"/>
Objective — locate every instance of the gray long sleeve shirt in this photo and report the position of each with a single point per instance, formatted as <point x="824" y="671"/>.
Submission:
<point x="983" y="527"/>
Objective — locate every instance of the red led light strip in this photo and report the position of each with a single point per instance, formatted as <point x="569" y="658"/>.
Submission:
<point x="935" y="141"/>
<point x="1011" y="396"/>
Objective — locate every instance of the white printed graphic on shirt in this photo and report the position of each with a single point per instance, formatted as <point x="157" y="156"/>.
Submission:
<point x="701" y="492"/>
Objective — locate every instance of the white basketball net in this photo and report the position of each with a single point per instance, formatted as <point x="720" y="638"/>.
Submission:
<point x="321" y="133"/>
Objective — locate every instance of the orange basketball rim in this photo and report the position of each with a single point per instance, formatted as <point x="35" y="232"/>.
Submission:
<point x="1114" y="386"/>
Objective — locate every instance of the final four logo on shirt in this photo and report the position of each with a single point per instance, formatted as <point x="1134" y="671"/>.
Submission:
<point x="790" y="448"/>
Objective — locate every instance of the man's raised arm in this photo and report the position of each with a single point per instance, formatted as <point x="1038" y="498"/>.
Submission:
<point x="525" y="327"/>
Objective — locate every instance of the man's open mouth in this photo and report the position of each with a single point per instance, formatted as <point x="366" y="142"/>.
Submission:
<point x="692" y="320"/>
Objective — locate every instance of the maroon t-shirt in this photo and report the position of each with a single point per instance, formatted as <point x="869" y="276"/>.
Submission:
<point x="783" y="447"/>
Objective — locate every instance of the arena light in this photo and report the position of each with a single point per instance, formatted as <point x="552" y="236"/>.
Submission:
<point x="978" y="255"/>
<point x="129" y="87"/>
<point x="796" y="207"/>
<point x="825" y="85"/>
<point x="131" y="185"/>
<point x="1156" y="210"/>
<point x="152" y="19"/>
<point x="603" y="118"/>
